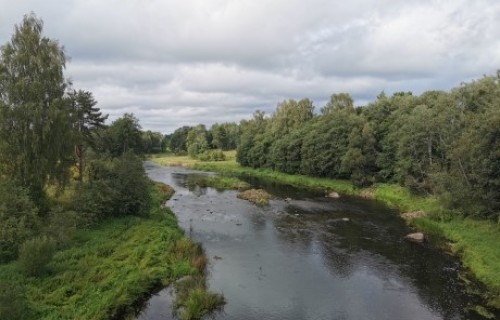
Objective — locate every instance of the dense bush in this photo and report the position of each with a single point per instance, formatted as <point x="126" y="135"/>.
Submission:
<point x="116" y="187"/>
<point x="35" y="254"/>
<point x="18" y="219"/>
<point x="13" y="304"/>
<point x="212" y="155"/>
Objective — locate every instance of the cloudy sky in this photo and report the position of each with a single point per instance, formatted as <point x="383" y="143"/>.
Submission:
<point x="175" y="63"/>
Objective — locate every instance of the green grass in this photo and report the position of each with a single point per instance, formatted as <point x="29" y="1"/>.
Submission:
<point x="194" y="300"/>
<point x="218" y="182"/>
<point x="476" y="242"/>
<point x="257" y="196"/>
<point x="109" y="268"/>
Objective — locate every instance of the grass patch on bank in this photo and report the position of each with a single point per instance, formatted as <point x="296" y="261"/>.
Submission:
<point x="218" y="182"/>
<point x="109" y="268"/>
<point x="476" y="242"/>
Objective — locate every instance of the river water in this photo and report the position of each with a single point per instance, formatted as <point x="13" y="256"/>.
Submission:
<point x="309" y="257"/>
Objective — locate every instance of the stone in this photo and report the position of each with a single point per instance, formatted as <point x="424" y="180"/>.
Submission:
<point x="415" y="237"/>
<point x="333" y="194"/>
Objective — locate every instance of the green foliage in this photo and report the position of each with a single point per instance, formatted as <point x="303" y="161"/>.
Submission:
<point x="18" y="219"/>
<point x="197" y="141"/>
<point x="35" y="117"/>
<point x="337" y="102"/>
<point x="211" y="155"/>
<point x="177" y="140"/>
<point x="290" y="115"/>
<point x="218" y="182"/>
<point x="35" y="254"/>
<point x="122" y="136"/>
<point x="477" y="244"/>
<point x="115" y="187"/>
<point x="107" y="270"/>
<point x="439" y="143"/>
<point x="194" y="300"/>
<point x="225" y="135"/>
<point x="86" y="118"/>
<point x="153" y="142"/>
<point x="13" y="304"/>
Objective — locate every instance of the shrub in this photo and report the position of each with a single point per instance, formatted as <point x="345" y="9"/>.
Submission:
<point x="212" y="155"/>
<point x="18" y="219"/>
<point x="35" y="254"/>
<point x="63" y="224"/>
<point x="116" y="187"/>
<point x="13" y="304"/>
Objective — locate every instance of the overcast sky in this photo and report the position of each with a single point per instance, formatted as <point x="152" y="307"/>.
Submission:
<point x="175" y="63"/>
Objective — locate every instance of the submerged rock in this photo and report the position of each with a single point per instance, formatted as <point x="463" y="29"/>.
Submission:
<point x="415" y="237"/>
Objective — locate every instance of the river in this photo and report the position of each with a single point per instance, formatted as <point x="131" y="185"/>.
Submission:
<point x="305" y="256"/>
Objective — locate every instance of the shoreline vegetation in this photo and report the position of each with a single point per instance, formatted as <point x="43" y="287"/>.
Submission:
<point x="110" y="269"/>
<point x="474" y="241"/>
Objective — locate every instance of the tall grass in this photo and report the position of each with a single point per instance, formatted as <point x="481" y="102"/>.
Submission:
<point x="111" y="267"/>
<point x="218" y="182"/>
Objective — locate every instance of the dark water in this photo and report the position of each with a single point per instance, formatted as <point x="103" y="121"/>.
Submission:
<point x="309" y="257"/>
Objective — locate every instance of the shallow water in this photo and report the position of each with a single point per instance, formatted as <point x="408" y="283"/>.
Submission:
<point x="309" y="257"/>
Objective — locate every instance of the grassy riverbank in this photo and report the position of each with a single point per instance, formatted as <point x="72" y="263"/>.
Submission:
<point x="476" y="242"/>
<point x="107" y="270"/>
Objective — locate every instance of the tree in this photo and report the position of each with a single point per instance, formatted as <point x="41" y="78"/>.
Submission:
<point x="196" y="141"/>
<point x="338" y="101"/>
<point x="125" y="133"/>
<point x="86" y="119"/>
<point x="291" y="114"/>
<point x="359" y="160"/>
<point x="152" y="141"/>
<point x="35" y="118"/>
<point x="250" y="130"/>
<point x="177" y="140"/>
<point x="18" y="218"/>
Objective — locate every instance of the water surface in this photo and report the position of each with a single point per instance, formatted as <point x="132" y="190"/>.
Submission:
<point x="306" y="256"/>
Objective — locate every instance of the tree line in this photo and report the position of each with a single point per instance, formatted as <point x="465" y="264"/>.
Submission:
<point x="443" y="143"/>
<point x="440" y="143"/>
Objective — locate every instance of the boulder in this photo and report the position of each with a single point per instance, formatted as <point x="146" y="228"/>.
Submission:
<point x="415" y="237"/>
<point x="333" y="194"/>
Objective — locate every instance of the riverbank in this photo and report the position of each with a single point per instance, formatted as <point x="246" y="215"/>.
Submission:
<point x="475" y="241"/>
<point x="110" y="268"/>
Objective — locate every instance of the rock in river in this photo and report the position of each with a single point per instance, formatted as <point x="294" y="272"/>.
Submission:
<point x="333" y="194"/>
<point x="415" y="237"/>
